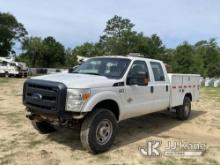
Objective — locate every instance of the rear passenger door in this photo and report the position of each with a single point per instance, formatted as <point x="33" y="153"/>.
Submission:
<point x="160" y="86"/>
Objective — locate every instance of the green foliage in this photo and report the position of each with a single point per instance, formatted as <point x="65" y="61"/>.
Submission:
<point x="202" y="58"/>
<point x="208" y="57"/>
<point x="33" y="50"/>
<point x="183" y="58"/>
<point x="11" y="32"/>
<point x="43" y="52"/>
<point x="119" y="38"/>
<point x="53" y="53"/>
<point x="88" y="50"/>
<point x="70" y="58"/>
<point x="116" y="26"/>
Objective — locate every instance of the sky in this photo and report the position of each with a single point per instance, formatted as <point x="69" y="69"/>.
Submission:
<point x="73" y="22"/>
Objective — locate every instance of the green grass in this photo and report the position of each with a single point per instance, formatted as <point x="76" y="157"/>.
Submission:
<point x="165" y="162"/>
<point x="210" y="91"/>
<point x="34" y="143"/>
<point x="189" y="161"/>
<point x="3" y="80"/>
<point x="212" y="162"/>
<point x="12" y="118"/>
<point x="182" y="161"/>
<point x="103" y="157"/>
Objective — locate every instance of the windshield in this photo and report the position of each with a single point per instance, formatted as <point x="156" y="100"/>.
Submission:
<point x="108" y="67"/>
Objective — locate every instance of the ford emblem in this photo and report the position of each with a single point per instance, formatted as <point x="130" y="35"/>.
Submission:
<point x="37" y="96"/>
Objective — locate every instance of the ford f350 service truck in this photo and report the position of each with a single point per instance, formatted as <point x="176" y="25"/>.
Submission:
<point x="104" y="91"/>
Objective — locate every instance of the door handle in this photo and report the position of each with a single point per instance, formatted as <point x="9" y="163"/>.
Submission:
<point x="151" y="89"/>
<point x="167" y="88"/>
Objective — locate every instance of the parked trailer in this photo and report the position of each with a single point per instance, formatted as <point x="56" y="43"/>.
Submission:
<point x="209" y="82"/>
<point x="217" y="83"/>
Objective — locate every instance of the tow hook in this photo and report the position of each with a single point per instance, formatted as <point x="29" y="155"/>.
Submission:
<point x="30" y="116"/>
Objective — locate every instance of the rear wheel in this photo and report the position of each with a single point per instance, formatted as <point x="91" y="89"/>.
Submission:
<point x="98" y="131"/>
<point x="183" y="112"/>
<point x="43" y="126"/>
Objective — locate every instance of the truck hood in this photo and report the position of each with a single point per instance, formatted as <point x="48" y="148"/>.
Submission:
<point x="72" y="80"/>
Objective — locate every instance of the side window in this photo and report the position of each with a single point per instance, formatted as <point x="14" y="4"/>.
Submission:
<point x="157" y="71"/>
<point x="138" y="67"/>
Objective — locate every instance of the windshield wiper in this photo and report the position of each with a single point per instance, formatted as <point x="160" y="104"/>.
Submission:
<point x="92" y="73"/>
<point x="86" y="73"/>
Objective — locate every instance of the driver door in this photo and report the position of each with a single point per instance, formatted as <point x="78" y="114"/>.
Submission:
<point x="139" y="99"/>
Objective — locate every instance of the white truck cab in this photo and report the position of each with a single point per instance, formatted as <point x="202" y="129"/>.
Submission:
<point x="104" y="91"/>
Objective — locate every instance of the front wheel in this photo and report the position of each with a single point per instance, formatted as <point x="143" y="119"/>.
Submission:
<point x="183" y="112"/>
<point x="98" y="131"/>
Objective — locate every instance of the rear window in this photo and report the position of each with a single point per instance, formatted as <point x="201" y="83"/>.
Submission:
<point x="157" y="71"/>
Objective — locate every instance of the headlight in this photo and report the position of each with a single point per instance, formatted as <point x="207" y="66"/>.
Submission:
<point x="76" y="99"/>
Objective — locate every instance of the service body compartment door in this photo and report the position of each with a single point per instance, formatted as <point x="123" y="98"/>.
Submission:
<point x="181" y="85"/>
<point x="177" y="88"/>
<point x="196" y="86"/>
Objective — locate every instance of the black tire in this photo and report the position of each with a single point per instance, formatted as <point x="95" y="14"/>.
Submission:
<point x="98" y="130"/>
<point x="183" y="112"/>
<point x="43" y="127"/>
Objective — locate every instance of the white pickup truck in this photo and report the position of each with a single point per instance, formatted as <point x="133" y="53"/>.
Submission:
<point x="104" y="91"/>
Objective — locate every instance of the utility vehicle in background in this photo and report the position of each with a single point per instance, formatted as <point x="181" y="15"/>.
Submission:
<point x="10" y="68"/>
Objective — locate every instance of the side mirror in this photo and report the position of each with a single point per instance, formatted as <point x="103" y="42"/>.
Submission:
<point x="140" y="79"/>
<point x="70" y="70"/>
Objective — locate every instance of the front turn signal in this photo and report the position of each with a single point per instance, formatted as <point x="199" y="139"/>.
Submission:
<point x="86" y="96"/>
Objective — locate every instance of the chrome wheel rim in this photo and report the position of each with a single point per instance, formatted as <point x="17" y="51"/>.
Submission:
<point x="103" y="131"/>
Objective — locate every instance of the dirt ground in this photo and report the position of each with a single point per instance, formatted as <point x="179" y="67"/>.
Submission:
<point x="21" y="144"/>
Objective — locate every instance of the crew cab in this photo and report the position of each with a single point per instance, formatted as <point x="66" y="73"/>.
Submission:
<point x="104" y="91"/>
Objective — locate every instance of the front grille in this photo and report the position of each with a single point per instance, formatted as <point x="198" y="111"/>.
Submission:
<point x="44" y="96"/>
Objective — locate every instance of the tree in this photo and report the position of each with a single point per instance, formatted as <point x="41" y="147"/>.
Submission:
<point x="43" y="53"/>
<point x="207" y="58"/>
<point x="70" y="58"/>
<point x="120" y="38"/>
<point x="33" y="50"/>
<point x="117" y="36"/>
<point x="53" y="53"/>
<point x="11" y="32"/>
<point x="117" y="25"/>
<point x="155" y="47"/>
<point x="183" y="58"/>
